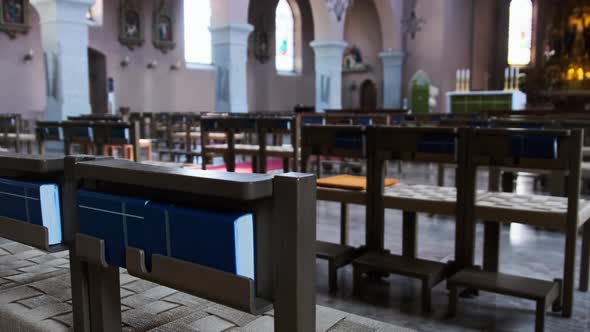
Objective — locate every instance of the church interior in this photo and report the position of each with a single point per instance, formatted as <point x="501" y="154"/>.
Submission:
<point x="294" y="165"/>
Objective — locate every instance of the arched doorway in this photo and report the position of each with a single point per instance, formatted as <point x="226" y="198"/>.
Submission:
<point x="368" y="97"/>
<point x="97" y="71"/>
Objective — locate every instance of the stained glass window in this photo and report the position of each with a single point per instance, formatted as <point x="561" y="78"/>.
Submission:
<point x="197" y="37"/>
<point x="520" y="32"/>
<point x="284" y="37"/>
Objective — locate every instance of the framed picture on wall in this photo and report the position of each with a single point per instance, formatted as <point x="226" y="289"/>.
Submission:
<point x="131" y="23"/>
<point x="163" y="27"/>
<point x="14" y="17"/>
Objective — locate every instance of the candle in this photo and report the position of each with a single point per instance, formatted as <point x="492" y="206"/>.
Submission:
<point x="458" y="80"/>
<point x="506" y="78"/>
<point x="467" y="79"/>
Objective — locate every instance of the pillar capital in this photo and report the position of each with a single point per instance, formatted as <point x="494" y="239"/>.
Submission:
<point x="392" y="57"/>
<point x="234" y="33"/>
<point x="328" y="71"/>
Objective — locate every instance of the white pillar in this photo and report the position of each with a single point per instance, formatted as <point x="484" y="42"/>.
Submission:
<point x="328" y="74"/>
<point x="230" y="56"/>
<point x="393" y="62"/>
<point x="64" y="32"/>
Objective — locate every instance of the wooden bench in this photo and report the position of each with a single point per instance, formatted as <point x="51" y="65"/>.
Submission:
<point x="35" y="169"/>
<point x="541" y="150"/>
<point x="418" y="144"/>
<point x="237" y="129"/>
<point x="11" y="133"/>
<point x="544" y="293"/>
<point x="343" y="142"/>
<point x="285" y="212"/>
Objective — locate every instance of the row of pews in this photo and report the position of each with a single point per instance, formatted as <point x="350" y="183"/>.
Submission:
<point x="500" y="143"/>
<point x="280" y="296"/>
<point x="500" y="146"/>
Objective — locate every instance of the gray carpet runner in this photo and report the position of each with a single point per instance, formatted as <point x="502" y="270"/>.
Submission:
<point x="35" y="295"/>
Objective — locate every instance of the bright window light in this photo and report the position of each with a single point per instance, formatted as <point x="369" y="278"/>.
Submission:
<point x="284" y="37"/>
<point x="520" y="32"/>
<point x="197" y="37"/>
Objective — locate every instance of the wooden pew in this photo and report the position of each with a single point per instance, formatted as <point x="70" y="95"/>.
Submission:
<point x="35" y="169"/>
<point x="112" y="136"/>
<point x="11" y="132"/>
<point x="335" y="141"/>
<point x="235" y="128"/>
<point x="419" y="144"/>
<point x="540" y="150"/>
<point x="284" y="208"/>
<point x="49" y="131"/>
<point x="183" y="137"/>
<point x="278" y="126"/>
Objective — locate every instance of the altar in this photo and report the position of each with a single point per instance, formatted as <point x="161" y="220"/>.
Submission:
<point x="477" y="101"/>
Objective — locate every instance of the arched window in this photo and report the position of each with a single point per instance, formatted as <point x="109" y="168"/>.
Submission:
<point x="520" y="31"/>
<point x="197" y="37"/>
<point x="284" y="37"/>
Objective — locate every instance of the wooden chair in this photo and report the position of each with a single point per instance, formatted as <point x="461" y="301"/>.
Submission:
<point x="234" y="128"/>
<point x="335" y="141"/>
<point x="78" y="133"/>
<point x="184" y="136"/>
<point x="110" y="137"/>
<point x="534" y="150"/>
<point x="11" y="133"/>
<point x="278" y="126"/>
<point x="49" y="131"/>
<point x="420" y="144"/>
<point x="284" y="208"/>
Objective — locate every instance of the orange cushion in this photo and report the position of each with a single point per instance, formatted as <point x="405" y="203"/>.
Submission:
<point x="350" y="182"/>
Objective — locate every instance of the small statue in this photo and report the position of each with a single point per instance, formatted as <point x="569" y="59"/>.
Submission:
<point x="353" y="59"/>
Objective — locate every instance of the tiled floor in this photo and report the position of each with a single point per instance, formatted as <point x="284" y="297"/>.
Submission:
<point x="525" y="251"/>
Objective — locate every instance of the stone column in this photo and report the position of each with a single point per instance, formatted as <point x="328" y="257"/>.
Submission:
<point x="393" y="65"/>
<point x="230" y="57"/>
<point x="64" y="33"/>
<point x="328" y="74"/>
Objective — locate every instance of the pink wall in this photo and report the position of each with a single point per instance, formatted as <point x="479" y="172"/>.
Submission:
<point x="268" y="90"/>
<point x="22" y="84"/>
<point x="443" y="46"/>
<point x="156" y="90"/>
<point x="363" y="29"/>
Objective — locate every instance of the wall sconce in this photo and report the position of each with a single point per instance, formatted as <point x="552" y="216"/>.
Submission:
<point x="176" y="66"/>
<point x="125" y="61"/>
<point x="152" y="65"/>
<point x="29" y="56"/>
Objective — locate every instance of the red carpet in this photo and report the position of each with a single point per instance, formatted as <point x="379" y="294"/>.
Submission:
<point x="272" y="164"/>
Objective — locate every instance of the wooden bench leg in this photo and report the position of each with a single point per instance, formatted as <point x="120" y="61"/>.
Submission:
<point x="569" y="270"/>
<point x="453" y="298"/>
<point x="441" y="175"/>
<point x="410" y="234"/>
<point x="557" y="305"/>
<point x="332" y="276"/>
<point x="426" y="296"/>
<point x="585" y="259"/>
<point x="344" y="219"/>
<point x="357" y="274"/>
<point x="540" y="316"/>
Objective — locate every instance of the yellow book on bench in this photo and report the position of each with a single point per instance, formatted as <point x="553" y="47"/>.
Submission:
<point x="350" y="182"/>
